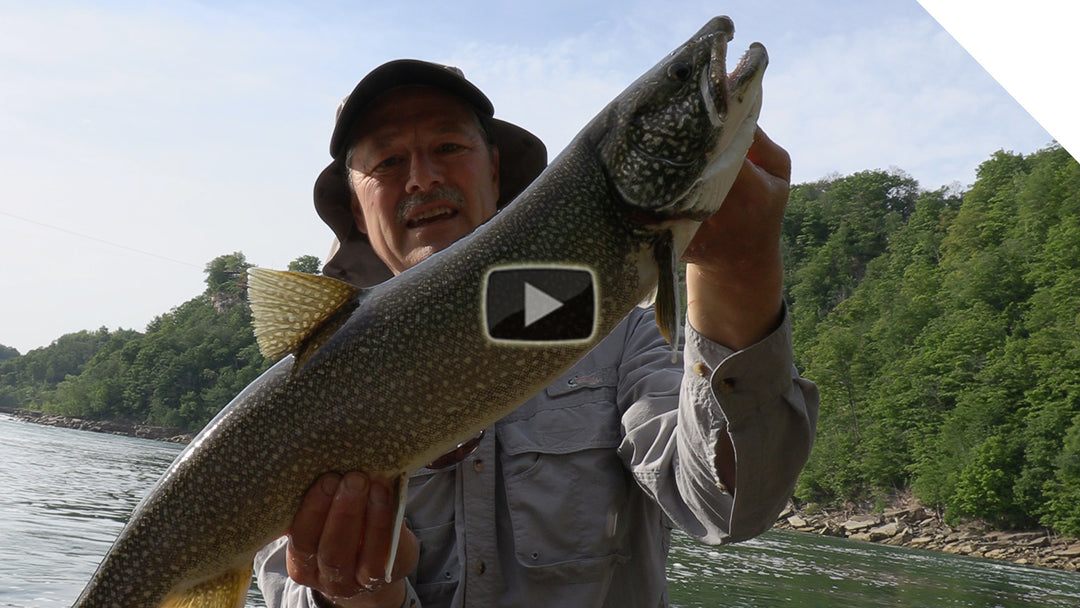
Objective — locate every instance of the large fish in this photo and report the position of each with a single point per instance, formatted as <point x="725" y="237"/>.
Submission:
<point x="388" y="378"/>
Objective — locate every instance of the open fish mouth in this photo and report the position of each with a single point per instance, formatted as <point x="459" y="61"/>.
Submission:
<point x="750" y="65"/>
<point x="719" y="94"/>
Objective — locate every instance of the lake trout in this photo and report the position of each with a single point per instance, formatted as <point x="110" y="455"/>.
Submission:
<point x="388" y="378"/>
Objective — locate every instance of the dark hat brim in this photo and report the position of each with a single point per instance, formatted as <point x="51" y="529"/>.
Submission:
<point x="522" y="156"/>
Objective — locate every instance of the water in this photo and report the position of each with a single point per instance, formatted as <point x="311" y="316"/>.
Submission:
<point x="784" y="568"/>
<point x="64" y="495"/>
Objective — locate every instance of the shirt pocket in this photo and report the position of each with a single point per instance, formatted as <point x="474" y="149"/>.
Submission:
<point x="565" y="483"/>
<point x="431" y="519"/>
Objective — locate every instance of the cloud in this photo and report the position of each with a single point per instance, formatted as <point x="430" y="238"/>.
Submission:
<point x="898" y="94"/>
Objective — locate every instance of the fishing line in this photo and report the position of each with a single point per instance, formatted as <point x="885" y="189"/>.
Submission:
<point x="100" y="240"/>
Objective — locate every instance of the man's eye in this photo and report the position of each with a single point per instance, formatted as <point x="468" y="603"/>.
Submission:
<point x="450" y="147"/>
<point x="389" y="163"/>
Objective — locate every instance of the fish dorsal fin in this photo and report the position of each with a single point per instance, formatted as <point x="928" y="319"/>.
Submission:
<point x="228" y="590"/>
<point x="288" y="307"/>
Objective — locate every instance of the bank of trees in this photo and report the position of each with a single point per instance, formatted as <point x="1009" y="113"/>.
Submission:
<point x="178" y="373"/>
<point x="944" y="332"/>
<point x="943" y="328"/>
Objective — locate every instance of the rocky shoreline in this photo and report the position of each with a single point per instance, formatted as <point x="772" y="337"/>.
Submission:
<point x="906" y="523"/>
<point x="144" y="431"/>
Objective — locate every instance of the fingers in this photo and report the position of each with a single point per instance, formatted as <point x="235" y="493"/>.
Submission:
<point x="380" y="531"/>
<point x="765" y="153"/>
<point x="340" y="538"/>
<point x="306" y="530"/>
<point x="764" y="178"/>
<point x="342" y="532"/>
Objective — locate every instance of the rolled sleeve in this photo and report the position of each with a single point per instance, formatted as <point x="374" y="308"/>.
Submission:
<point x="755" y="396"/>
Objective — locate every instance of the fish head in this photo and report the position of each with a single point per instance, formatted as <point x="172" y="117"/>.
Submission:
<point x="674" y="140"/>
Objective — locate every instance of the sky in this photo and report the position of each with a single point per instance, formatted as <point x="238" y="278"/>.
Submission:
<point x="140" y="140"/>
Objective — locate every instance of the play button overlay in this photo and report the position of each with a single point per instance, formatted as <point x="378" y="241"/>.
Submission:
<point x="539" y="304"/>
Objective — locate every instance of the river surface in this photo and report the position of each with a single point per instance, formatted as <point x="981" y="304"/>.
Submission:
<point x="64" y="495"/>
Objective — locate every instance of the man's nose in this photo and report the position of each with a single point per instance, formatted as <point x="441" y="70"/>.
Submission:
<point x="424" y="173"/>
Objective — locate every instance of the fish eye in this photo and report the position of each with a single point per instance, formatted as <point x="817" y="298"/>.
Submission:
<point x="680" y="70"/>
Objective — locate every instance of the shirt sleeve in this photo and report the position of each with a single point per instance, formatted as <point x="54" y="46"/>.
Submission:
<point x="674" y="415"/>
<point x="280" y="591"/>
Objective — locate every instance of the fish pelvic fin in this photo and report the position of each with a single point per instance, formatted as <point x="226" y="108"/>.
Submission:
<point x="289" y="307"/>
<point x="227" y="590"/>
<point x="401" y="494"/>
<point x="668" y="309"/>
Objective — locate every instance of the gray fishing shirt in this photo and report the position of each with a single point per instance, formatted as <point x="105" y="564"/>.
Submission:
<point x="570" y="499"/>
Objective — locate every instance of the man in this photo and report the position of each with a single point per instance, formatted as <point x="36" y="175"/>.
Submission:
<point x="569" y="500"/>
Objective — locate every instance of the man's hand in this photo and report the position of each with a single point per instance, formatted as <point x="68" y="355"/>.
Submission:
<point x="339" y="540"/>
<point x="734" y="272"/>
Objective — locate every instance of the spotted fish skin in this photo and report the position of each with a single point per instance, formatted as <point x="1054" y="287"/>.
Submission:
<point x="403" y="371"/>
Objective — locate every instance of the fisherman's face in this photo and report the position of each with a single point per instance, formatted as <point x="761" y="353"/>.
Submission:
<point x="422" y="173"/>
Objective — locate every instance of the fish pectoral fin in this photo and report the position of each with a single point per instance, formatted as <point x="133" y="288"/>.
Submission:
<point x="228" y="590"/>
<point x="288" y="307"/>
<point x="668" y="310"/>
<point x="401" y="492"/>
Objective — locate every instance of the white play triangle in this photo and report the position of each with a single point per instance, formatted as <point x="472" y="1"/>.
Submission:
<point x="538" y="304"/>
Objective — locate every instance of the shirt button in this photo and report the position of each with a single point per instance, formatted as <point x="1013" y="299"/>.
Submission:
<point x="701" y="369"/>
<point x="478" y="465"/>
<point x="480" y="566"/>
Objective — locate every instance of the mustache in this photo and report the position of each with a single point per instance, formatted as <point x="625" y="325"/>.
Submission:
<point x="447" y="194"/>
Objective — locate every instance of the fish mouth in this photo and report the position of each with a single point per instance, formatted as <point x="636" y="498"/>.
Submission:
<point x="734" y="102"/>
<point x="750" y="65"/>
<point x="720" y="91"/>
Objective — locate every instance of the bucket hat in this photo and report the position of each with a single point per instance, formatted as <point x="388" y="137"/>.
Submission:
<point x="522" y="156"/>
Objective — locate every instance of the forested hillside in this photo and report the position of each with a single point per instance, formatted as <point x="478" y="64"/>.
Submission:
<point x="942" y="327"/>
<point x="944" y="332"/>
<point x="187" y="365"/>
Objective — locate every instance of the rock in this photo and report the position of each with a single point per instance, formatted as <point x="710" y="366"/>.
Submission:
<point x="860" y="522"/>
<point x="920" y="528"/>
<point x="1072" y="550"/>
<point x="1017" y="537"/>
<point x="832" y="529"/>
<point x="887" y="531"/>
<point x="958" y="548"/>
<point x="1042" y="541"/>
<point x="919" y="541"/>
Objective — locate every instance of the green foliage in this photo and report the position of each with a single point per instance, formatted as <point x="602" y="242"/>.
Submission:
<point x="226" y="279"/>
<point x="23" y="379"/>
<point x="951" y="365"/>
<point x="7" y="352"/>
<point x="307" y="264"/>
<point x="187" y="365"/>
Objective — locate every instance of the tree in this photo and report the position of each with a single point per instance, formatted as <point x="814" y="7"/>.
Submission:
<point x="307" y="264"/>
<point x="8" y="352"/>
<point x="226" y="280"/>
